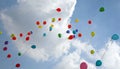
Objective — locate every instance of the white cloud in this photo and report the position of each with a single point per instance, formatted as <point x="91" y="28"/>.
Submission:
<point x="22" y="18"/>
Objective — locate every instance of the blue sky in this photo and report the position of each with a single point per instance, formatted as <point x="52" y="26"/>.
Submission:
<point x="105" y="24"/>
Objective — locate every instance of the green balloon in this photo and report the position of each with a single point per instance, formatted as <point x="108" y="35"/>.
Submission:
<point x="92" y="51"/>
<point x="102" y="9"/>
<point x="98" y="63"/>
<point x="0" y="32"/>
<point x="59" y="35"/>
<point x="53" y="19"/>
<point x="19" y="54"/>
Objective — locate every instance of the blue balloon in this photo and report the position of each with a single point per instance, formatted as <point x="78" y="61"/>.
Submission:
<point x="6" y="43"/>
<point x="44" y="34"/>
<point x="67" y="31"/>
<point x="76" y="30"/>
<point x="50" y="28"/>
<point x="33" y="46"/>
<point x="98" y="63"/>
<point x="115" y="37"/>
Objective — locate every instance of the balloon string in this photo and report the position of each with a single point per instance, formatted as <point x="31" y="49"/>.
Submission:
<point x="106" y="50"/>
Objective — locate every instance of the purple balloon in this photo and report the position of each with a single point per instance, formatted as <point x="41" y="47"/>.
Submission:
<point x="83" y="65"/>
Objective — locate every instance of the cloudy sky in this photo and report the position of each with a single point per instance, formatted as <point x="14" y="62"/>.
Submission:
<point x="53" y="52"/>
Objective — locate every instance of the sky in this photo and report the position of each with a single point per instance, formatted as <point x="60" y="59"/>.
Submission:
<point x="52" y="52"/>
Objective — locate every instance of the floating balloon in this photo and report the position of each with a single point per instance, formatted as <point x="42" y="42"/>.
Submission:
<point x="92" y="34"/>
<point x="9" y="56"/>
<point x="27" y="38"/>
<point x="89" y="22"/>
<point x="71" y="37"/>
<point x="12" y="35"/>
<point x="98" y="63"/>
<point x="69" y="26"/>
<point x="40" y="26"/>
<point x="102" y="9"/>
<point x="19" y="54"/>
<point x="68" y="31"/>
<point x="5" y="49"/>
<point x="0" y="32"/>
<point x="59" y="35"/>
<point x="14" y="38"/>
<point x="53" y="19"/>
<point x="50" y="28"/>
<point x="58" y="9"/>
<point x="33" y="46"/>
<point x="29" y="33"/>
<point x="17" y="65"/>
<point x="37" y="23"/>
<point x="44" y="22"/>
<point x="21" y="35"/>
<point x="6" y="42"/>
<point x="59" y="19"/>
<point x="74" y="31"/>
<point x="83" y="65"/>
<point x="44" y="34"/>
<point x="115" y="37"/>
<point x="79" y="34"/>
<point x="76" y="20"/>
<point x="92" y="51"/>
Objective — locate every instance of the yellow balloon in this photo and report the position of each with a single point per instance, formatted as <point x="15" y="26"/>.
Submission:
<point x="12" y="35"/>
<point x="52" y="25"/>
<point x="92" y="34"/>
<point x="92" y="51"/>
<point x="53" y="19"/>
<point x="0" y="32"/>
<point x="76" y="20"/>
<point x="40" y="26"/>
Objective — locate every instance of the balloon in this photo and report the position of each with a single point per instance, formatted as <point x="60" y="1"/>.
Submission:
<point x="0" y="32"/>
<point x="83" y="65"/>
<point x="98" y="63"/>
<point x="79" y="34"/>
<point x="37" y="23"/>
<point x="92" y="51"/>
<point x="14" y="38"/>
<point x="12" y="35"/>
<point x="69" y="26"/>
<point x="44" y="34"/>
<point x="76" y="20"/>
<point x="59" y="35"/>
<point x="71" y="37"/>
<point x="74" y="32"/>
<point x="52" y="25"/>
<point x="17" y="65"/>
<point x="44" y="22"/>
<point x="9" y="56"/>
<point x="27" y="38"/>
<point x="59" y="19"/>
<point x="19" y="54"/>
<point x="92" y="34"/>
<point x="115" y="37"/>
<point x="33" y="46"/>
<point x="58" y="9"/>
<point x="53" y="19"/>
<point x="6" y="42"/>
<point x="40" y="26"/>
<point x="67" y="31"/>
<point x="50" y="28"/>
<point x="102" y="9"/>
<point x="21" y="35"/>
<point x="29" y="33"/>
<point x="89" y="22"/>
<point x="5" y="49"/>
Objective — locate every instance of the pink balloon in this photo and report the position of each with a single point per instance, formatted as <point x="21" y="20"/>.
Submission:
<point x="83" y="65"/>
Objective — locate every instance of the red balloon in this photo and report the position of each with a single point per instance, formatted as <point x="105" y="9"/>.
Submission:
<point x="69" y="26"/>
<point x="5" y="49"/>
<point x="79" y="34"/>
<point x="44" y="22"/>
<point x="17" y="65"/>
<point x="59" y="19"/>
<point x="14" y="38"/>
<point x="89" y="22"/>
<point x="27" y="38"/>
<point x="83" y="65"/>
<point x="37" y="23"/>
<point x="9" y="56"/>
<point x="21" y="34"/>
<point x="58" y="9"/>
<point x="71" y="37"/>
<point x="29" y="33"/>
